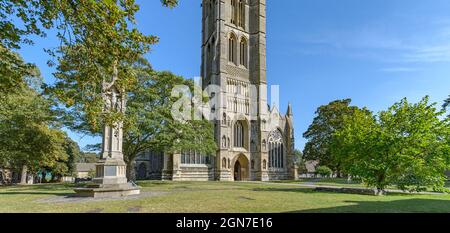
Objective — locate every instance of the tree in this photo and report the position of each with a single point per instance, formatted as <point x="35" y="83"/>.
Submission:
<point x="298" y="156"/>
<point x="67" y="167"/>
<point x="324" y="171"/>
<point x="29" y="132"/>
<point x="148" y="121"/>
<point x="21" y="19"/>
<point x="329" y="118"/>
<point x="447" y="104"/>
<point x="87" y="157"/>
<point x="407" y="145"/>
<point x="149" y="125"/>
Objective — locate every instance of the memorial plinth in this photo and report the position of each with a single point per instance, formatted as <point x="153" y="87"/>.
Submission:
<point x="110" y="178"/>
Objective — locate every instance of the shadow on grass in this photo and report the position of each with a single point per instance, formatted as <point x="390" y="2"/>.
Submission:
<point x="39" y="193"/>
<point x="396" y="206"/>
<point x="294" y="190"/>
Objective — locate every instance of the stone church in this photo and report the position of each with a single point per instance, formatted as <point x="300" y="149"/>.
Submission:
<point x="255" y="141"/>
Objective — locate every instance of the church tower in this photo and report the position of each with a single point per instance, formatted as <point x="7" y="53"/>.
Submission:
<point x="234" y="58"/>
<point x="254" y="141"/>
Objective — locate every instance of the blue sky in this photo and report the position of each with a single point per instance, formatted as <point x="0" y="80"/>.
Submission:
<point x="374" y="52"/>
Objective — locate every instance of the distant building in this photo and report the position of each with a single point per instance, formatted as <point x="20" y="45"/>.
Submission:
<point x="310" y="169"/>
<point x="83" y="170"/>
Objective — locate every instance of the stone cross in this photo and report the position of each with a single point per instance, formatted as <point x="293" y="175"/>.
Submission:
<point x="113" y="134"/>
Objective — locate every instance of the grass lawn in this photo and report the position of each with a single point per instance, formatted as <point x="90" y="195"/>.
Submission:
<point x="204" y="197"/>
<point x="338" y="182"/>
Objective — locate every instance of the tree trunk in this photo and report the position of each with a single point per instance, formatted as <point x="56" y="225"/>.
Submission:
<point x="131" y="174"/>
<point x="24" y="175"/>
<point x="44" y="180"/>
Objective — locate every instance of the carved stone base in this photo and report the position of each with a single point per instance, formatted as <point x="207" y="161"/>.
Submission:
<point x="108" y="191"/>
<point x="110" y="181"/>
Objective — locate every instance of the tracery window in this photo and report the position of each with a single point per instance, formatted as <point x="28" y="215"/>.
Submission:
<point x="243" y="53"/>
<point x="234" y="12"/>
<point x="239" y="135"/>
<point x="193" y="157"/>
<point x="241" y="19"/>
<point x="232" y="53"/>
<point x="276" y="150"/>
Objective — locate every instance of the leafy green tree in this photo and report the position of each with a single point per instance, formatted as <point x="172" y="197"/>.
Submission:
<point x="73" y="153"/>
<point x="298" y="156"/>
<point x="148" y="121"/>
<point x="407" y="145"/>
<point x="29" y="135"/>
<point x="87" y="157"/>
<point x="149" y="124"/>
<point x="73" y="19"/>
<point x="447" y="104"/>
<point x="324" y="171"/>
<point x="329" y="118"/>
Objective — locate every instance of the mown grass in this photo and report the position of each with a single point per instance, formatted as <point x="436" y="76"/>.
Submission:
<point x="223" y="197"/>
<point x="339" y="182"/>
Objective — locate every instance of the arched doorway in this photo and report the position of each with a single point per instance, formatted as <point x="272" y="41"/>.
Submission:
<point x="241" y="168"/>
<point x="237" y="171"/>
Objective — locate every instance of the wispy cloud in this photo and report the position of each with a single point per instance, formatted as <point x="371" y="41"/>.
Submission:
<point x="383" y="45"/>
<point x="432" y="53"/>
<point x="398" y="69"/>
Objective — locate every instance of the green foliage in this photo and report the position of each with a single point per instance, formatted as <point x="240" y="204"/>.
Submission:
<point x="91" y="174"/>
<point x="73" y="153"/>
<point x="408" y="145"/>
<point x="169" y="3"/>
<point x="447" y="102"/>
<point x="329" y="118"/>
<point x="298" y="156"/>
<point x="87" y="157"/>
<point x="99" y="42"/>
<point x="29" y="15"/>
<point x="149" y="125"/>
<point x="324" y="171"/>
<point x="28" y="132"/>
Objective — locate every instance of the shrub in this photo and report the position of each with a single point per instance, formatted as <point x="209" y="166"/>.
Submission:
<point x="324" y="171"/>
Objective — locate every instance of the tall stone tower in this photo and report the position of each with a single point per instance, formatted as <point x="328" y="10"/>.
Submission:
<point x="234" y="58"/>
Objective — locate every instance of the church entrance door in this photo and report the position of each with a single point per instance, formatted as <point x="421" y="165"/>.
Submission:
<point x="241" y="168"/>
<point x="237" y="172"/>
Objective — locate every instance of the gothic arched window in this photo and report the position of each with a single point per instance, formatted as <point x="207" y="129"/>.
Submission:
<point x="243" y="52"/>
<point x="234" y="12"/>
<point x="242" y="13"/>
<point x="239" y="135"/>
<point x="276" y="150"/>
<point x="232" y="49"/>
